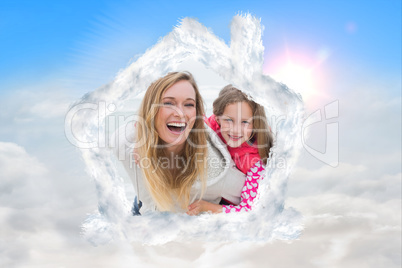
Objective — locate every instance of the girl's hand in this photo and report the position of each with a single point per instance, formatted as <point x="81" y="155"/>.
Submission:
<point x="203" y="206"/>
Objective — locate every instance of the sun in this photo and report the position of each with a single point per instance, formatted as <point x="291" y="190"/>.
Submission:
<point x="302" y="72"/>
<point x="297" y="76"/>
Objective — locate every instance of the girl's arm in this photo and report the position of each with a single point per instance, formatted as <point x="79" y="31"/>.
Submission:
<point x="203" y="206"/>
<point x="249" y="192"/>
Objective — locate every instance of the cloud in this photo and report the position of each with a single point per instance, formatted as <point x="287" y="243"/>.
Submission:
<point x="353" y="180"/>
<point x="21" y="191"/>
<point x="40" y="209"/>
<point x="21" y="182"/>
<point x="28" y="104"/>
<point x="349" y="231"/>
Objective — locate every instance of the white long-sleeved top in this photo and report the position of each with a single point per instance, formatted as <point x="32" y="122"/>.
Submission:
<point x="223" y="178"/>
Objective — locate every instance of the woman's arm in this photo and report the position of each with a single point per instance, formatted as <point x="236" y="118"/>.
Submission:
<point x="249" y="192"/>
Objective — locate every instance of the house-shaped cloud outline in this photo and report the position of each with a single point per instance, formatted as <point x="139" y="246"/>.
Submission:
<point x="241" y="64"/>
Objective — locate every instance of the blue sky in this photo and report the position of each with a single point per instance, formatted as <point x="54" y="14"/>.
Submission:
<point x="87" y="42"/>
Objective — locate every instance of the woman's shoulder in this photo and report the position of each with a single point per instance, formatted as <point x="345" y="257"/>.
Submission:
<point x="218" y="157"/>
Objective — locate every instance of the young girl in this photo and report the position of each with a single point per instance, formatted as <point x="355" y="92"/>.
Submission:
<point x="242" y="125"/>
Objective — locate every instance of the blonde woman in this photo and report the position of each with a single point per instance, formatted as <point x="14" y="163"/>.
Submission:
<point x="180" y="160"/>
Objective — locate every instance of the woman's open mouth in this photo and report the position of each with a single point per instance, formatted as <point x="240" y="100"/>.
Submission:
<point x="176" y="127"/>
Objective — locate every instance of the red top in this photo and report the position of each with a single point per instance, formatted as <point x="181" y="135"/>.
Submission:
<point x="245" y="156"/>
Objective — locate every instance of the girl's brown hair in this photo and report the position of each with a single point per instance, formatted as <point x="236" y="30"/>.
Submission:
<point x="166" y="187"/>
<point x="261" y="130"/>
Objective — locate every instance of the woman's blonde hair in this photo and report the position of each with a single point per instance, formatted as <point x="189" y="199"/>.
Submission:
<point x="166" y="187"/>
<point x="261" y="130"/>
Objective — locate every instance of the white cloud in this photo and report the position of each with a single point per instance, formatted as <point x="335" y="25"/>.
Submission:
<point x="28" y="104"/>
<point x="343" y="230"/>
<point x="40" y="208"/>
<point x="22" y="177"/>
<point x="353" y="180"/>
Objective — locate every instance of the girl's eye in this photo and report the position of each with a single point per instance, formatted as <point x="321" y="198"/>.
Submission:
<point x="189" y="105"/>
<point x="246" y="122"/>
<point x="168" y="103"/>
<point x="228" y="120"/>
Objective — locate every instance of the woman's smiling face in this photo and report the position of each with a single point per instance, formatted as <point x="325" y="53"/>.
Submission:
<point x="177" y="115"/>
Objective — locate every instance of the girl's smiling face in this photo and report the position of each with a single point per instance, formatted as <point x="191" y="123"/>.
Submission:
<point x="236" y="123"/>
<point x="176" y="117"/>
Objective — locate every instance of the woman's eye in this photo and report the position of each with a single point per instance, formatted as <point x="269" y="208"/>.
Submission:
<point x="189" y="105"/>
<point x="245" y="122"/>
<point x="168" y="103"/>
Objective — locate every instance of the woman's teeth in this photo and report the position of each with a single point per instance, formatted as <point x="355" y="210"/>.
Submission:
<point x="176" y="127"/>
<point x="177" y="124"/>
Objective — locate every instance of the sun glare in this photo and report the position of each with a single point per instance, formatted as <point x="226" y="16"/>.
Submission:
<point x="301" y="71"/>
<point x="297" y="77"/>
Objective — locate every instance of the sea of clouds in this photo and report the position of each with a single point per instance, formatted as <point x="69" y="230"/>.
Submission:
<point x="351" y="213"/>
